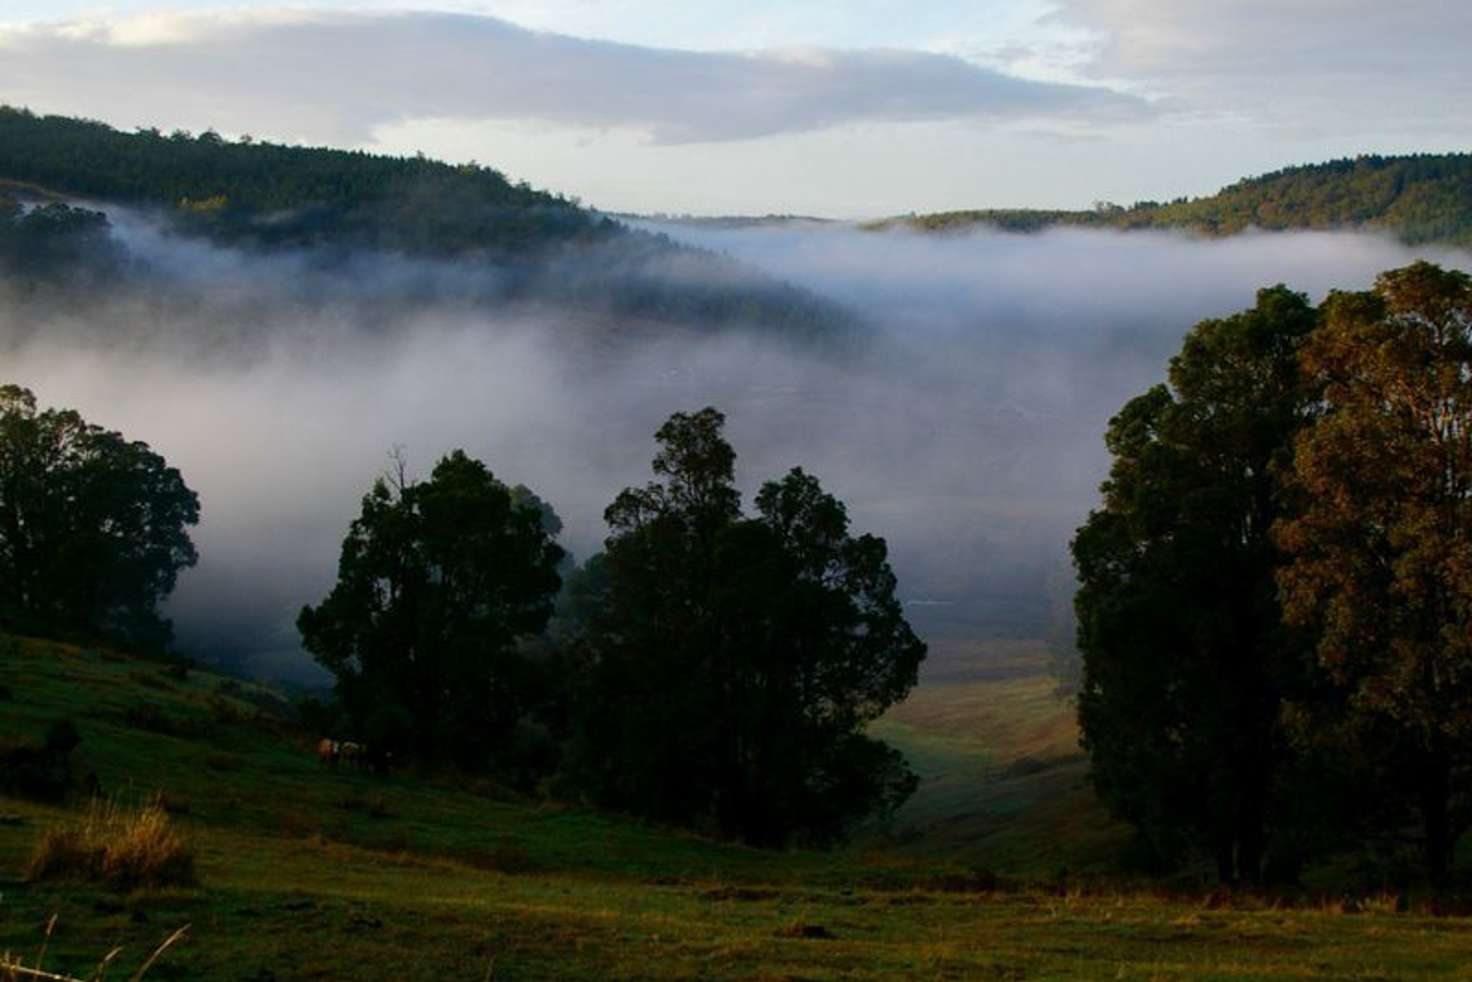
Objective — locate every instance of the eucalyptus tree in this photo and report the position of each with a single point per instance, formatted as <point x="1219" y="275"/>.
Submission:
<point x="1186" y="661"/>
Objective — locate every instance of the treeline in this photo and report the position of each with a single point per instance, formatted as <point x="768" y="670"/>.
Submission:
<point x="259" y="195"/>
<point x="1275" y="604"/>
<point x="54" y="241"/>
<point x="711" y="668"/>
<point x="1420" y="198"/>
<point x="290" y="196"/>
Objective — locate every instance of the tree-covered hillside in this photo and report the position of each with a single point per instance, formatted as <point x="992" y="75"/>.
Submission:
<point x="267" y="196"/>
<point x="1420" y="198"/>
<point x="285" y="195"/>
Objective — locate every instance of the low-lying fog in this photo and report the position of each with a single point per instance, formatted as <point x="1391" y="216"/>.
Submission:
<point x="968" y="433"/>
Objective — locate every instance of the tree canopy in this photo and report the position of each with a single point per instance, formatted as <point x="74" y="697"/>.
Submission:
<point x="438" y="582"/>
<point x="1418" y="198"/>
<point x="1275" y="609"/>
<point x="735" y="660"/>
<point x="1381" y="566"/>
<point x="93" y="527"/>
<point x="1184" y="655"/>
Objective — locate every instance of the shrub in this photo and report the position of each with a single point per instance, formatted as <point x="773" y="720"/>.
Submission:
<point x="62" y="737"/>
<point x="40" y="771"/>
<point x="123" y="848"/>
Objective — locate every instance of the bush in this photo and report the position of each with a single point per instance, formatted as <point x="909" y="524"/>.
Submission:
<point x="123" y="848"/>
<point x="42" y="772"/>
<point x="62" y="738"/>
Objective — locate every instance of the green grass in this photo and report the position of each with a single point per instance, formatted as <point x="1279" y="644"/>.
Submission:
<point x="1002" y="776"/>
<point x="308" y="873"/>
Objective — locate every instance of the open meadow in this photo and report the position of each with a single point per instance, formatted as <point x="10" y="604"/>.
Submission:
<point x="306" y="872"/>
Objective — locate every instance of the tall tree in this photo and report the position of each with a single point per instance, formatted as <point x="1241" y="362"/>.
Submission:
<point x="1382" y="548"/>
<point x="737" y="659"/>
<point x="93" y="527"/>
<point x="438" y="581"/>
<point x="1185" y="659"/>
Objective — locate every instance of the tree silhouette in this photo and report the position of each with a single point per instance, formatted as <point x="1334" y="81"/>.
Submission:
<point x="1185" y="659"/>
<point x="737" y="659"/>
<point x="437" y="583"/>
<point x="93" y="527"/>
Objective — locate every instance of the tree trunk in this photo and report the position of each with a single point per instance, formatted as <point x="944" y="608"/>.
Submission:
<point x="1435" y="812"/>
<point x="1256" y="770"/>
<point x="1250" y="839"/>
<point x="1226" y="872"/>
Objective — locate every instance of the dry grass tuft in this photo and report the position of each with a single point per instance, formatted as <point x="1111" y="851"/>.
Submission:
<point x="123" y="848"/>
<point x="14" y="969"/>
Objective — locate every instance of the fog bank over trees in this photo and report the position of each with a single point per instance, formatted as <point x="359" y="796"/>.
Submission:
<point x="965" y="428"/>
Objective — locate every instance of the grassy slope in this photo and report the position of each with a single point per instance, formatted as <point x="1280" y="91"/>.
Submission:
<point x="311" y="874"/>
<point x="1002" y="774"/>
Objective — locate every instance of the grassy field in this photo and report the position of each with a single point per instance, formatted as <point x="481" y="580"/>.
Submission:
<point x="1002" y="776"/>
<point x="309" y="873"/>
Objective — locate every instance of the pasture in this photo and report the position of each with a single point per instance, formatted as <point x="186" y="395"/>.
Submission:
<point x="304" y="872"/>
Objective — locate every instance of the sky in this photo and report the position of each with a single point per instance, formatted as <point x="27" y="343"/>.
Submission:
<point x="853" y="109"/>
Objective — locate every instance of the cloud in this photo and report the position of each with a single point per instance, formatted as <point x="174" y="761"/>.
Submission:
<point x="968" y="433"/>
<point x="338" y="77"/>
<point x="1350" y="66"/>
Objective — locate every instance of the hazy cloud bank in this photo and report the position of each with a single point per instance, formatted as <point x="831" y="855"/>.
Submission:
<point x="968" y="433"/>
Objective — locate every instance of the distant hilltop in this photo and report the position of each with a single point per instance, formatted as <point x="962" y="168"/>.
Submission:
<point x="1421" y="198"/>
<point x="262" y="196"/>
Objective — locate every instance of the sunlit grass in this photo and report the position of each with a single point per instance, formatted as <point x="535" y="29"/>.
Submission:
<point x="305" y="872"/>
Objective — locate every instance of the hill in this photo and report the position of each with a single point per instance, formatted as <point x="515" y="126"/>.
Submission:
<point x="311" y="872"/>
<point x="1420" y="199"/>
<point x="270" y="198"/>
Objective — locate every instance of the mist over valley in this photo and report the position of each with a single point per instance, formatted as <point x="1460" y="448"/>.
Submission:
<point x="958" y="410"/>
<point x="636" y="489"/>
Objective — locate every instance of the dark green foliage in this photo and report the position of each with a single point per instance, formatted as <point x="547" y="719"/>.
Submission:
<point x="92" y="526"/>
<point x="1186" y="663"/>
<point x="54" y="241"/>
<point x="437" y="584"/>
<point x="62" y="737"/>
<point x="268" y="196"/>
<point x="282" y="195"/>
<point x="735" y="661"/>
<point x="40" y="771"/>
<point x="1419" y="198"/>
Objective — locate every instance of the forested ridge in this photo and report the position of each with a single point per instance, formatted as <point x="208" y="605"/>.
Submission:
<point x="289" y="195"/>
<point x="1418" y="198"/>
<point x="266" y="196"/>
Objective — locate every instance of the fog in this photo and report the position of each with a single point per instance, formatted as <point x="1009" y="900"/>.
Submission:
<point x="965" y="428"/>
